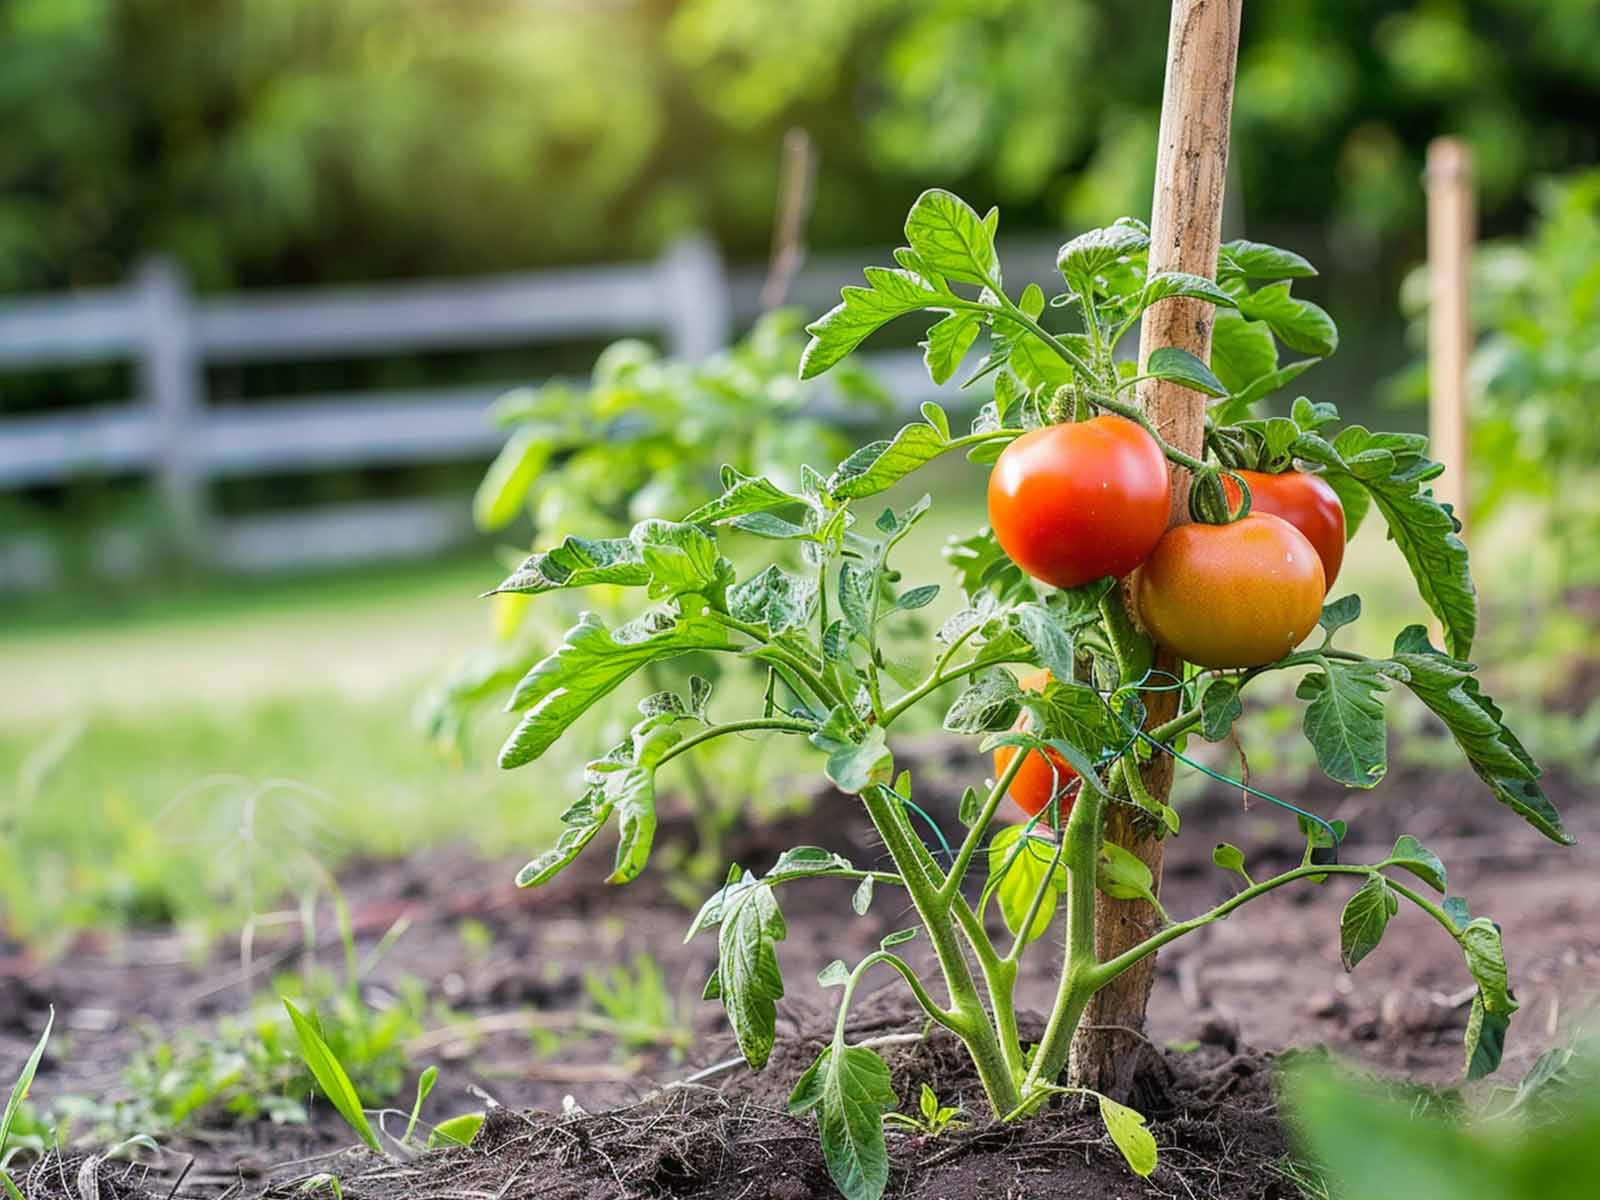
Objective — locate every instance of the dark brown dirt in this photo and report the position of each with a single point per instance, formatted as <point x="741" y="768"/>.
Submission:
<point x="1268" y="977"/>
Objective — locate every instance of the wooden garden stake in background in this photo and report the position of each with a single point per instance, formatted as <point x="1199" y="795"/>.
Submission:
<point x="1450" y="235"/>
<point x="1186" y="230"/>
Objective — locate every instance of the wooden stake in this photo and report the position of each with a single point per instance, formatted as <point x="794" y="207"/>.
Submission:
<point x="1450" y="235"/>
<point x="1186" y="230"/>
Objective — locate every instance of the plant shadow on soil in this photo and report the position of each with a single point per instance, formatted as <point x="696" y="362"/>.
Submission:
<point x="1272" y="971"/>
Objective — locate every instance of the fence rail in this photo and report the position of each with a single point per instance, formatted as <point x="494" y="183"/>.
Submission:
<point x="174" y="433"/>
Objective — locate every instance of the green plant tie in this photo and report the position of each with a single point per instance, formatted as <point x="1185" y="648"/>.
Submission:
<point x="1178" y="684"/>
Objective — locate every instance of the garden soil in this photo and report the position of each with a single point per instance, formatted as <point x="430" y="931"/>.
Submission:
<point x="577" y="1113"/>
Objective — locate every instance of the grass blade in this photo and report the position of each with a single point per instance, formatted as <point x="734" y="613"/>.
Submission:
<point x="331" y="1076"/>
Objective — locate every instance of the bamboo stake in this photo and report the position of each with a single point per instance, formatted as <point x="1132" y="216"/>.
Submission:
<point x="1450" y="236"/>
<point x="1186" y="230"/>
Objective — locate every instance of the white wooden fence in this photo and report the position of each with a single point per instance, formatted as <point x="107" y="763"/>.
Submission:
<point x="171" y="431"/>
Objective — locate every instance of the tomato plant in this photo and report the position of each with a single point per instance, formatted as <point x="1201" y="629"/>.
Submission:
<point x="812" y="621"/>
<point x="1073" y="502"/>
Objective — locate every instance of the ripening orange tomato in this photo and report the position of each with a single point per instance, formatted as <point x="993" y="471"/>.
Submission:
<point x="1041" y="776"/>
<point x="1236" y="595"/>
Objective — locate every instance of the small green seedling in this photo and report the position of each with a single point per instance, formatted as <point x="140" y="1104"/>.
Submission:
<point x="932" y="1118"/>
<point x="19" y="1093"/>
<point x="331" y="1077"/>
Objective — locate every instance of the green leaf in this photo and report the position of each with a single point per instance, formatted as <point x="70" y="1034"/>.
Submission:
<point x="1411" y="855"/>
<point x="776" y="599"/>
<point x="742" y="495"/>
<point x="590" y="663"/>
<point x="1089" y="254"/>
<point x="1299" y="324"/>
<point x="1447" y="687"/>
<point x="1241" y="351"/>
<point x="856" y="585"/>
<point x="898" y="938"/>
<point x="1365" y="917"/>
<point x="455" y="1131"/>
<point x="1122" y="875"/>
<point x="878" y="466"/>
<point x="1485" y="1039"/>
<point x="1074" y="712"/>
<point x="682" y="558"/>
<point x="917" y="597"/>
<point x="857" y="766"/>
<point x="1165" y="284"/>
<point x="1241" y="259"/>
<point x="580" y="562"/>
<point x="1420" y="526"/>
<point x="1230" y="858"/>
<point x="586" y="822"/>
<point x="1353" y="498"/>
<point x="860" y="312"/>
<point x="1050" y="637"/>
<point x="1486" y="959"/>
<point x="1181" y="367"/>
<point x="835" y="974"/>
<point x="948" y="343"/>
<point x="849" y="1088"/>
<point x="861" y="899"/>
<point x="1127" y="1130"/>
<point x="325" y="1068"/>
<point x="19" y="1090"/>
<point x="952" y="239"/>
<point x="1219" y="709"/>
<point x="1238" y="405"/>
<point x="993" y="702"/>
<point x="632" y="791"/>
<point x="504" y="490"/>
<point x="1344" y="721"/>
<point x="801" y="862"/>
<point x="1030" y="870"/>
<point x="1336" y="614"/>
<point x="748" y="975"/>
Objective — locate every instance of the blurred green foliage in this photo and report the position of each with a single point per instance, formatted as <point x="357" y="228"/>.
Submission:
<point x="312" y="140"/>
<point x="1536" y="372"/>
<point x="1533" y="1142"/>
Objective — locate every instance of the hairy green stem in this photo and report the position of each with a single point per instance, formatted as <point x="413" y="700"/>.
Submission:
<point x="969" y="1020"/>
<point x="1105" y="972"/>
<point x="753" y="725"/>
<point x="927" y="1003"/>
<point x="1079" y="970"/>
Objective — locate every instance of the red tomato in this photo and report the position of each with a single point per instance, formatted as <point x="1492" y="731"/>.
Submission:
<point x="1071" y="503"/>
<point x="1235" y="595"/>
<point x="1306" y="502"/>
<point x="1041" y="775"/>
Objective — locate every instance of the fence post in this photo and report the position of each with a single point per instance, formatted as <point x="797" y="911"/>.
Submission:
<point x="172" y="384"/>
<point x="1450" y="233"/>
<point x="698" y="308"/>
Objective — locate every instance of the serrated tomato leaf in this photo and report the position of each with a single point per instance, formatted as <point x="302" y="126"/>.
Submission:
<point x="591" y="662"/>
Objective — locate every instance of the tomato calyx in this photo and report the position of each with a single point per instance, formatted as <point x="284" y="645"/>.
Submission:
<point x="1210" y="501"/>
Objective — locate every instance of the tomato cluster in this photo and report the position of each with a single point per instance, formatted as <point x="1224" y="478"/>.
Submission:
<point x="1075" y="502"/>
